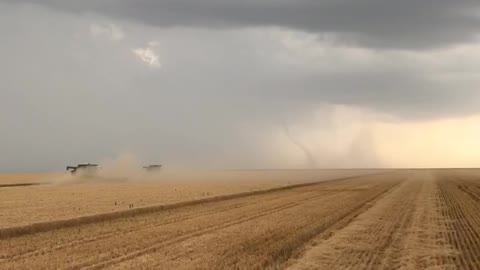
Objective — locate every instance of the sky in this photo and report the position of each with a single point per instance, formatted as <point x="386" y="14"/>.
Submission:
<point x="240" y="84"/>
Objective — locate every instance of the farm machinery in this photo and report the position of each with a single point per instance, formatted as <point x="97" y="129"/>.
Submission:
<point x="89" y="169"/>
<point x="85" y="169"/>
<point x="152" y="168"/>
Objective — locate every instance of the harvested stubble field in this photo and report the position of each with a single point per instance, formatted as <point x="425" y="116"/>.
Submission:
<point x="410" y="219"/>
<point x="65" y="197"/>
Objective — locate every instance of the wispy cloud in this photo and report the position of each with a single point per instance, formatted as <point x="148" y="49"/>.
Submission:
<point x="148" y="55"/>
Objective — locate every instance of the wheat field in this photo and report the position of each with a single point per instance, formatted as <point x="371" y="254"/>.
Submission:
<point x="63" y="197"/>
<point x="403" y="219"/>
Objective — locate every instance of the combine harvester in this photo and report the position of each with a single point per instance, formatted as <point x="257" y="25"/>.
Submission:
<point x="95" y="172"/>
<point x="152" y="168"/>
<point x="86" y="169"/>
<point x="91" y="171"/>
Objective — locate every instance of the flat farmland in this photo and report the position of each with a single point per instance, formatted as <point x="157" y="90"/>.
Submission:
<point x="404" y="219"/>
<point x="61" y="196"/>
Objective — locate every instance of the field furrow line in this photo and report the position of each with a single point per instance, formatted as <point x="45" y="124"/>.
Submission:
<point x="396" y="218"/>
<point x="282" y="246"/>
<point x="371" y="240"/>
<point x="135" y="229"/>
<point x="426" y="242"/>
<point x="167" y="242"/>
<point x="463" y="211"/>
<point x="11" y="232"/>
<point x="280" y="223"/>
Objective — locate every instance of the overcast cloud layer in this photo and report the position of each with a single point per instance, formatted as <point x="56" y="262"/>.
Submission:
<point x="216" y="83"/>
<point x="398" y="24"/>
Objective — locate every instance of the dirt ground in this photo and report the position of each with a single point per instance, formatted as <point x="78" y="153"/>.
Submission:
<point x="409" y="219"/>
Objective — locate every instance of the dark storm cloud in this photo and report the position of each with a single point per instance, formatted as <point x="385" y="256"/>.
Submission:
<point x="377" y="23"/>
<point x="404" y="94"/>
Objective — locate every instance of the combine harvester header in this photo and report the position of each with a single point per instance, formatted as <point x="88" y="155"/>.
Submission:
<point x="87" y="167"/>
